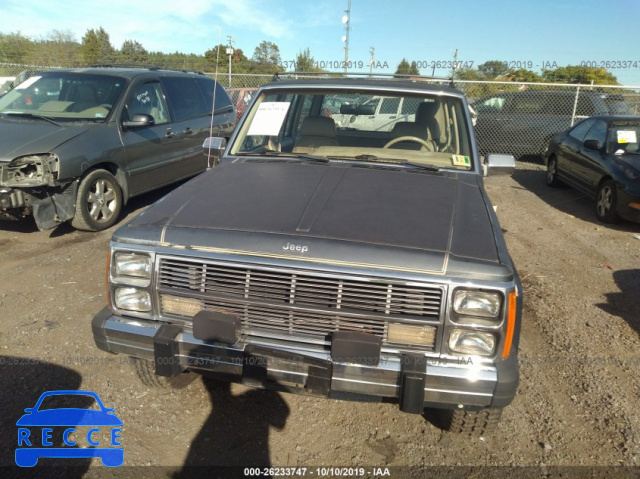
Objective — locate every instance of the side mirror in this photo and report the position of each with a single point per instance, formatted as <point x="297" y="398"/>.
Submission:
<point x="347" y="109"/>
<point x="497" y="164"/>
<point x="593" y="145"/>
<point x="139" y="119"/>
<point x="365" y="110"/>
<point x="213" y="148"/>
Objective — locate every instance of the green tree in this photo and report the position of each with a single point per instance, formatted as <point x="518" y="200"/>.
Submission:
<point x="266" y="58"/>
<point x="406" y="68"/>
<point x="133" y="52"/>
<point x="305" y="62"/>
<point x="96" y="47"/>
<point x="524" y="75"/>
<point x="471" y="74"/>
<point x="15" y="47"/>
<point x="493" y="69"/>
<point x="577" y="74"/>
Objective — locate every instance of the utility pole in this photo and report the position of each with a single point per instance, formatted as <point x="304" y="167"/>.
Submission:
<point x="346" y="19"/>
<point x="230" y="53"/>
<point x="372" y="50"/>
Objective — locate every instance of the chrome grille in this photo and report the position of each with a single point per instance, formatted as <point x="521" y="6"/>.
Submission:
<point x="299" y="303"/>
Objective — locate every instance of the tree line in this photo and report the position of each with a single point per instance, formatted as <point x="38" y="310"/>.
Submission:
<point x="60" y="49"/>
<point x="496" y="70"/>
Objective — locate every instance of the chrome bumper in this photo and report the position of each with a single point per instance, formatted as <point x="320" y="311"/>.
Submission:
<point x="447" y="382"/>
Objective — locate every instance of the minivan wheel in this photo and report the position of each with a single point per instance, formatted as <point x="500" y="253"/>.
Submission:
<point x="99" y="202"/>
<point x="607" y="202"/>
<point x="552" y="172"/>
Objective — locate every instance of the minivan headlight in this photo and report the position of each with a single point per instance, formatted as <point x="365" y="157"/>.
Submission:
<point x="477" y="303"/>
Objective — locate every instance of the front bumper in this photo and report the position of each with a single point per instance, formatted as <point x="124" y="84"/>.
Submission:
<point x="294" y="368"/>
<point x="624" y="210"/>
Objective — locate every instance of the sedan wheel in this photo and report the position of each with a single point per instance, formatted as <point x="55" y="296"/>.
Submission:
<point x="607" y="202"/>
<point x="552" y="172"/>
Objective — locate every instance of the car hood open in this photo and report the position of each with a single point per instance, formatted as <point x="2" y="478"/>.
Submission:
<point x="22" y="136"/>
<point x="343" y="214"/>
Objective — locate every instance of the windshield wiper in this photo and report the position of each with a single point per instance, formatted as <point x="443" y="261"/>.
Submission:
<point x="31" y="115"/>
<point x="279" y="154"/>
<point x="393" y="161"/>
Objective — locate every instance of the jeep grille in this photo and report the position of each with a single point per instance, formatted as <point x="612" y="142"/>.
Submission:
<point x="294" y="302"/>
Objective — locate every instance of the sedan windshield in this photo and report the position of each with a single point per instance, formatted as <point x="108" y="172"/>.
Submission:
<point x="358" y="126"/>
<point x="63" y="96"/>
<point x="624" y="137"/>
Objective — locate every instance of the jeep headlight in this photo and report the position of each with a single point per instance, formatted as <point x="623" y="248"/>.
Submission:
<point x="132" y="299"/>
<point x="476" y="343"/>
<point x="132" y="268"/>
<point x="477" y="303"/>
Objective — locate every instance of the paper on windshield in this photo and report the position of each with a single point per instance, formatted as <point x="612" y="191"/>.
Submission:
<point x="27" y="83"/>
<point x="269" y="118"/>
<point x="627" y="136"/>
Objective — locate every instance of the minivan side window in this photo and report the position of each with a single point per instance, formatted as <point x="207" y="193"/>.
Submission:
<point x="185" y="98"/>
<point x="147" y="98"/>
<point x="491" y="105"/>
<point x="207" y="86"/>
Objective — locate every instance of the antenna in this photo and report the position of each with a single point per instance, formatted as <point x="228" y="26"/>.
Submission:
<point x="215" y="89"/>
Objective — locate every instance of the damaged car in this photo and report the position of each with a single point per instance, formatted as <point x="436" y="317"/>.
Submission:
<point x="344" y="262"/>
<point x="77" y="144"/>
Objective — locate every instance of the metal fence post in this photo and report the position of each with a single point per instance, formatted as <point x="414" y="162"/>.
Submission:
<point x="575" y="106"/>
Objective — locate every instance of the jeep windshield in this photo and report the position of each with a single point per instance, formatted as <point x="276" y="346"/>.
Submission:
<point x="395" y="128"/>
<point x="63" y="96"/>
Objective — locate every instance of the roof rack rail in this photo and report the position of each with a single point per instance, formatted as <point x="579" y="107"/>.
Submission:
<point x="378" y="76"/>
<point x="146" y="67"/>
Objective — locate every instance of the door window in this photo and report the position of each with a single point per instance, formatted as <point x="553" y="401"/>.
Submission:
<point x="581" y="130"/>
<point x="148" y="99"/>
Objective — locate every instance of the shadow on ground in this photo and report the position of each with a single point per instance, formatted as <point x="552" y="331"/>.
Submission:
<point x="236" y="433"/>
<point x="565" y="199"/>
<point x="23" y="380"/>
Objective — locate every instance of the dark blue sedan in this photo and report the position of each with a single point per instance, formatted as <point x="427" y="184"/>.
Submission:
<point x="600" y="156"/>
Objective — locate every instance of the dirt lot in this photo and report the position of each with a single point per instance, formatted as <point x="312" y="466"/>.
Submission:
<point x="579" y="353"/>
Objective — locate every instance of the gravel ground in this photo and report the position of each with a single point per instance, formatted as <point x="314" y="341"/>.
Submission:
<point x="577" y="404"/>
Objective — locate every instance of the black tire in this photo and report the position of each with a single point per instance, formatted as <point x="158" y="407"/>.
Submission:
<point x="146" y="371"/>
<point x="474" y="424"/>
<point x="552" y="172"/>
<point x="607" y="202"/>
<point x="99" y="202"/>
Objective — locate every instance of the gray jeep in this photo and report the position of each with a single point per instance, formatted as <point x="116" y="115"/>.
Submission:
<point x="334" y="261"/>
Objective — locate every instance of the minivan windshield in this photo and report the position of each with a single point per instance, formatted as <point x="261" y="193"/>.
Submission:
<point x="429" y="129"/>
<point x="64" y="96"/>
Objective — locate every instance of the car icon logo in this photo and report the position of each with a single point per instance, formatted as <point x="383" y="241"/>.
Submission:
<point x="34" y="444"/>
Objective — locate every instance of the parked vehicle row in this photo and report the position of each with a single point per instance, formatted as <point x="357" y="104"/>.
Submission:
<point x="521" y="123"/>
<point x="78" y="143"/>
<point x="600" y="156"/>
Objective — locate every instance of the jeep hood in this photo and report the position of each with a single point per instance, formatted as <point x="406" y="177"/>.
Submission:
<point x="26" y="136"/>
<point x="340" y="214"/>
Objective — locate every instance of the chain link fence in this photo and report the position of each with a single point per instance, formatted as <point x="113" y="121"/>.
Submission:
<point x="510" y="117"/>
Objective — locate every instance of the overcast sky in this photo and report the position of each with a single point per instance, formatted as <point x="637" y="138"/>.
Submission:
<point x="528" y="33"/>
